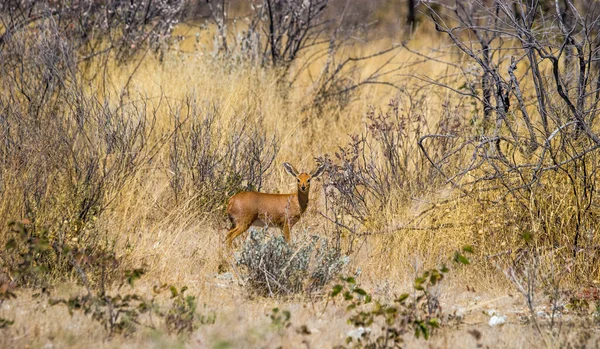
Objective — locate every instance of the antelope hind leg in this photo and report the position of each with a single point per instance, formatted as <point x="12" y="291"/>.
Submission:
<point x="235" y="232"/>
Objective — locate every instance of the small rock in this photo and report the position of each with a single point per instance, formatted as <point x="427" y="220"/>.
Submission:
<point x="541" y="314"/>
<point x="491" y="312"/>
<point x="225" y="276"/>
<point x="357" y="333"/>
<point x="459" y="313"/>
<point x="497" y="320"/>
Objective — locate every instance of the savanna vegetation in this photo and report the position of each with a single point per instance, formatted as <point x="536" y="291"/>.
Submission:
<point x="458" y="206"/>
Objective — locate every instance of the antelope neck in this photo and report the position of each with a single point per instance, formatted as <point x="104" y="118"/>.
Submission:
<point x="303" y="200"/>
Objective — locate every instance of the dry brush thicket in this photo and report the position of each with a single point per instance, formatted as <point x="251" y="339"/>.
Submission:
<point x="124" y="128"/>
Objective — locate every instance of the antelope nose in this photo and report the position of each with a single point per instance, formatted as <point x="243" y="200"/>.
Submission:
<point x="303" y="187"/>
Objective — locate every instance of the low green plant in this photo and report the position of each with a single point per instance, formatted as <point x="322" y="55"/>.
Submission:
<point x="182" y="316"/>
<point x="281" y="321"/>
<point x="280" y="318"/>
<point x="118" y="314"/>
<point x="27" y="261"/>
<point x="419" y="312"/>
<point x="37" y="258"/>
<point x="25" y="256"/>
<point x="22" y="261"/>
<point x="122" y="314"/>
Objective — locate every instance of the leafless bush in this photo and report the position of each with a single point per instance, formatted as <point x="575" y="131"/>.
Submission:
<point x="278" y="30"/>
<point x="293" y="35"/>
<point x="72" y="159"/>
<point x="276" y="268"/>
<point x="530" y="157"/>
<point x="381" y="168"/>
<point x="65" y="153"/>
<point x="537" y="125"/>
<point x="214" y="160"/>
<point x="93" y="27"/>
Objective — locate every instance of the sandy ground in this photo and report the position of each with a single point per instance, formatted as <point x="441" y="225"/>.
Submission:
<point x="243" y="321"/>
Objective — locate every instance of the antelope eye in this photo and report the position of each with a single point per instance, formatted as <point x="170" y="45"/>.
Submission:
<point x="308" y="180"/>
<point x="298" y="180"/>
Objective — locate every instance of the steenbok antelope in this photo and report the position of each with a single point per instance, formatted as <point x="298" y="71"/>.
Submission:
<point x="282" y="210"/>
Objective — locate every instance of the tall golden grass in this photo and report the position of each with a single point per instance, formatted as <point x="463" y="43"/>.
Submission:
<point x="167" y="237"/>
<point x="177" y="240"/>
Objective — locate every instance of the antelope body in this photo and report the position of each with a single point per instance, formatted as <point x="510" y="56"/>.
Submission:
<point x="259" y="209"/>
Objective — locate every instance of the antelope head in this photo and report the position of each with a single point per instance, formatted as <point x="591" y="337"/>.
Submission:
<point x="303" y="178"/>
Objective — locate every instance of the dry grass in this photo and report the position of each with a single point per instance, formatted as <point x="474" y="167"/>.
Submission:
<point x="182" y="245"/>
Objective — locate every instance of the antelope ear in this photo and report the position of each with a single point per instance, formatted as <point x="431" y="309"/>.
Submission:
<point x="318" y="171"/>
<point x="290" y="169"/>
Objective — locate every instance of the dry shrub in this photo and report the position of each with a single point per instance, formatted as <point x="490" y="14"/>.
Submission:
<point x="214" y="158"/>
<point x="67" y="149"/>
<point x="276" y="268"/>
<point x="379" y="171"/>
<point x="72" y="148"/>
<point x="530" y="161"/>
<point x="94" y="28"/>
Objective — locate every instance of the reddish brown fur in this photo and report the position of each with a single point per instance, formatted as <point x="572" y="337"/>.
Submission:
<point x="282" y="210"/>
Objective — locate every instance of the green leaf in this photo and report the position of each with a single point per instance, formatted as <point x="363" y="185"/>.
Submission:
<point x="424" y="329"/>
<point x="444" y="269"/>
<point x="402" y="297"/>
<point x="435" y="323"/>
<point x="134" y="275"/>
<point x="459" y="258"/>
<point x="468" y="249"/>
<point x="11" y="244"/>
<point x="421" y="327"/>
<point x="336" y="290"/>
<point x="527" y="236"/>
<point x="174" y="292"/>
<point x="350" y="280"/>
<point x="5" y="322"/>
<point x="360" y="291"/>
<point x="223" y="345"/>
<point x="391" y="310"/>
